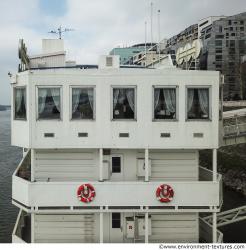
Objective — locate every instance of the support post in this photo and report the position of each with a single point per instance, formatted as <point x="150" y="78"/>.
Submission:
<point x="32" y="226"/>
<point x="32" y="164"/>
<point x="214" y="227"/>
<point x="100" y="164"/>
<point x="101" y="226"/>
<point x="146" y="237"/>
<point x="214" y="164"/>
<point x="146" y="164"/>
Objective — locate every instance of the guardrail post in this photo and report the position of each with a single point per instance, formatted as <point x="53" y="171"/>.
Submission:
<point x="214" y="164"/>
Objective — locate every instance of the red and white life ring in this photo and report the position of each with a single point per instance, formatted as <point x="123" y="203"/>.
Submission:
<point x="86" y="193"/>
<point x="164" y="193"/>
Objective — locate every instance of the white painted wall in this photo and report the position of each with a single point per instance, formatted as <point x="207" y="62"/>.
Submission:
<point x="105" y="133"/>
<point x="77" y="165"/>
<point x="64" y="228"/>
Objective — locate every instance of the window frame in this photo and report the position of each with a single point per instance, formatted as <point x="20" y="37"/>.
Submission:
<point x="120" y="220"/>
<point x="121" y="163"/>
<point x="61" y="102"/>
<point x="14" y="93"/>
<point x="112" y="101"/>
<point x="209" y="87"/>
<point x="71" y="101"/>
<point x="176" y="87"/>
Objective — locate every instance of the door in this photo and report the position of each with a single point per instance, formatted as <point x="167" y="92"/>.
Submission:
<point x="116" y="228"/>
<point x="117" y="168"/>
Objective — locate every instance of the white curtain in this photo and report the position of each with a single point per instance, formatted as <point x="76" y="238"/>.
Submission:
<point x="24" y="96"/>
<point x="55" y="93"/>
<point x="190" y="99"/>
<point x="91" y="97"/>
<point x="75" y="99"/>
<point x="115" y="96"/>
<point x="18" y="99"/>
<point x="42" y="94"/>
<point x="156" y="97"/>
<point x="130" y="98"/>
<point x="203" y="100"/>
<point x="170" y="99"/>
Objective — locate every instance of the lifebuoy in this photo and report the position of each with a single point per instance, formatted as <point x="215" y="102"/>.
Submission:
<point x="164" y="193"/>
<point x="86" y="193"/>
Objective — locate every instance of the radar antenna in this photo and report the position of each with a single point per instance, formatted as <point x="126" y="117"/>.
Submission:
<point x="59" y="31"/>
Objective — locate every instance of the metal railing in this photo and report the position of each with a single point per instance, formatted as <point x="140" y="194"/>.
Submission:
<point x="228" y="217"/>
<point x="235" y="130"/>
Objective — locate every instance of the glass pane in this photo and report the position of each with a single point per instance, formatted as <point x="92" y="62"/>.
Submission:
<point x="116" y="220"/>
<point x="82" y="103"/>
<point x="164" y="103"/>
<point x="49" y="103"/>
<point x="198" y="103"/>
<point x="20" y="103"/>
<point x="116" y="164"/>
<point x="123" y="103"/>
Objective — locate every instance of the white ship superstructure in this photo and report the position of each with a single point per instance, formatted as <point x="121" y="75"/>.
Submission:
<point x="112" y="153"/>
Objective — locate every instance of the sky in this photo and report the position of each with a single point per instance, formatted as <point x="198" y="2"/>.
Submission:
<point x="99" y="26"/>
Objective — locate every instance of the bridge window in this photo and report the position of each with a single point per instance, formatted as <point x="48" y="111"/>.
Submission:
<point x="20" y="103"/>
<point x="124" y="103"/>
<point x="164" y="103"/>
<point x="83" y="103"/>
<point x="49" y="103"/>
<point x="198" y="103"/>
<point x="116" y="220"/>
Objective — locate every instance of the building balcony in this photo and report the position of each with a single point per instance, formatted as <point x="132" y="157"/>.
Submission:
<point x="202" y="195"/>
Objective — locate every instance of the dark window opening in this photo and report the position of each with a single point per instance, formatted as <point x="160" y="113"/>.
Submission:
<point x="198" y="103"/>
<point x="49" y="103"/>
<point x="116" y="164"/>
<point x="82" y="103"/>
<point x="123" y="103"/>
<point x="20" y="103"/>
<point x="116" y="220"/>
<point x="165" y="103"/>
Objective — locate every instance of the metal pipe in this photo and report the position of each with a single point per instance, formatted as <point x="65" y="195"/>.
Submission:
<point x="101" y="227"/>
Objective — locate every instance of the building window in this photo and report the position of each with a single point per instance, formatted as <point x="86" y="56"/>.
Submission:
<point x="49" y="103"/>
<point x="116" y="164"/>
<point x="197" y="103"/>
<point x="164" y="103"/>
<point x="20" y="103"/>
<point x="124" y="103"/>
<point x="83" y="103"/>
<point x="116" y="220"/>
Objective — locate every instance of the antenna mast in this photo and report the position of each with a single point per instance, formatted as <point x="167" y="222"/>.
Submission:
<point x="59" y="31"/>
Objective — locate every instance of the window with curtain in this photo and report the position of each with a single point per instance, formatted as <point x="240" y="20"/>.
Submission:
<point x="164" y="103"/>
<point x="198" y="103"/>
<point x="123" y="103"/>
<point x="49" y="103"/>
<point x="20" y="103"/>
<point x="82" y="103"/>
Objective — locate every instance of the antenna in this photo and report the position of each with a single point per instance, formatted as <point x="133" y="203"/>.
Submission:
<point x="145" y="45"/>
<point x="159" y="34"/>
<point x="59" y="31"/>
<point x="151" y="23"/>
